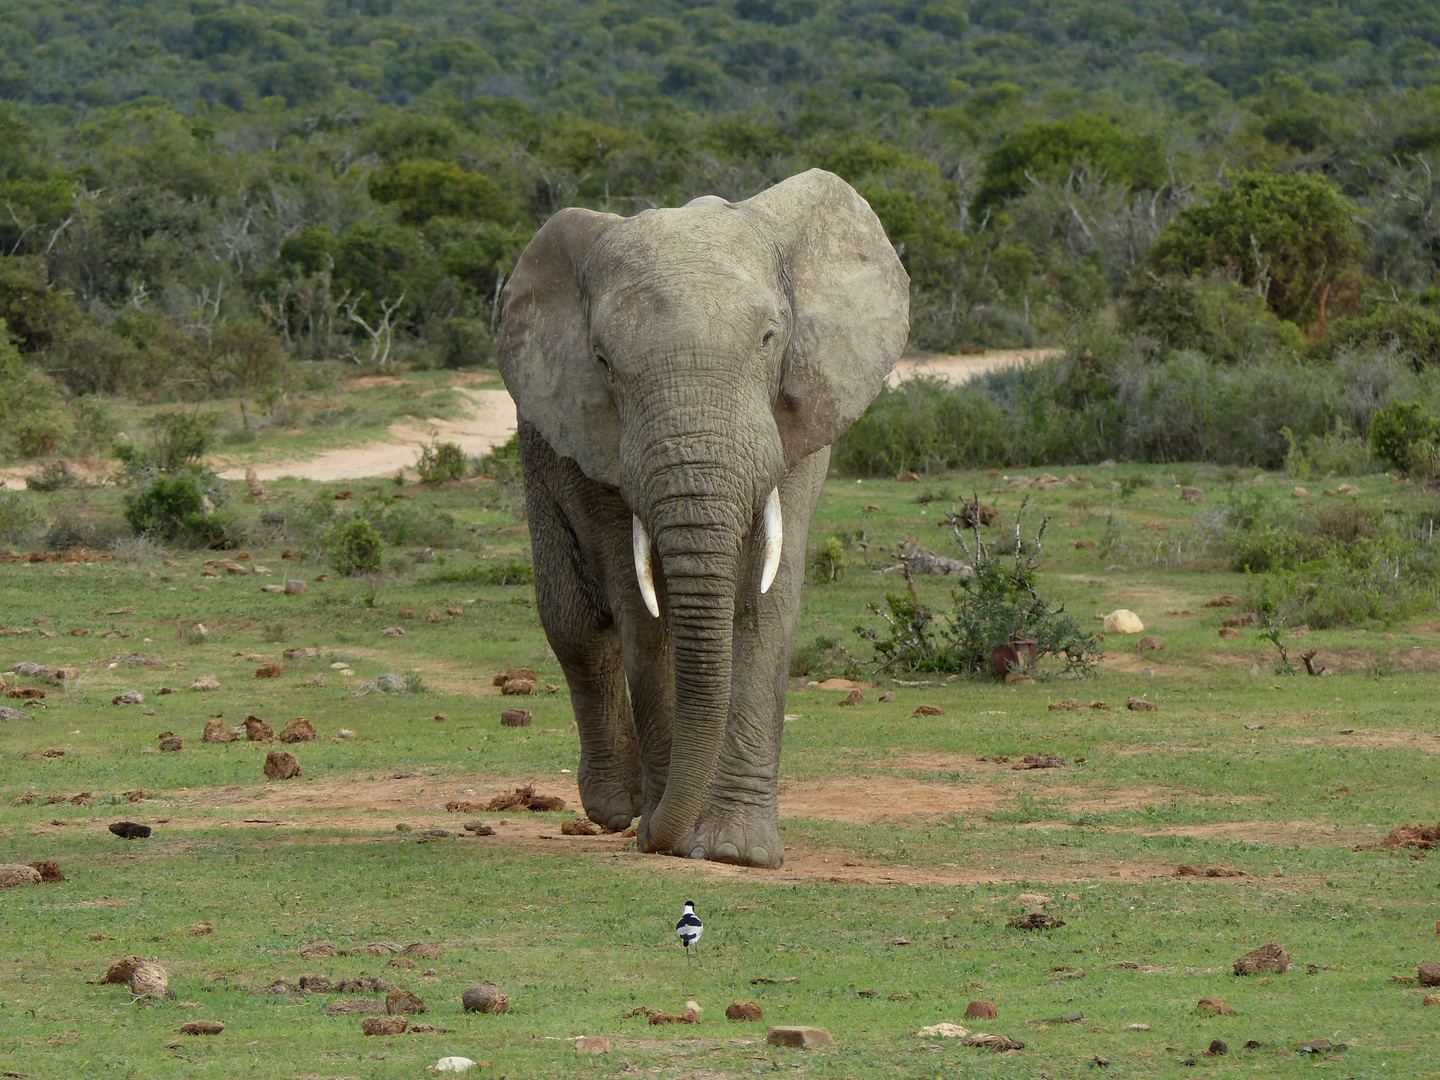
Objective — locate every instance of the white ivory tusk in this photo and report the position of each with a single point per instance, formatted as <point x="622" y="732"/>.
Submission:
<point x="640" y="542"/>
<point x="774" y="539"/>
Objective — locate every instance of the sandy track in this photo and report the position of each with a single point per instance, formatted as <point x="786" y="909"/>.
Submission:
<point x="489" y="421"/>
<point x="961" y="369"/>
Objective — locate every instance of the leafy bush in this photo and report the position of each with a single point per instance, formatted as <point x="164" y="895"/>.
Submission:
<point x="1404" y="434"/>
<point x="173" y="509"/>
<point x="827" y="562"/>
<point x="21" y="521"/>
<point x="998" y="603"/>
<point x="1210" y="315"/>
<point x="53" y="476"/>
<point x="1411" y="330"/>
<point x="354" y="547"/>
<point x="822" y="658"/>
<point x="440" y="462"/>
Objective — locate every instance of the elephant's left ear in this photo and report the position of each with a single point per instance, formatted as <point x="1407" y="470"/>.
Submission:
<point x="544" y="348"/>
<point x="850" y="300"/>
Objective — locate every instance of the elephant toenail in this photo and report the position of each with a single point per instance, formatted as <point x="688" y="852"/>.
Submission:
<point x="727" y="850"/>
<point x="698" y="853"/>
<point x="759" y="856"/>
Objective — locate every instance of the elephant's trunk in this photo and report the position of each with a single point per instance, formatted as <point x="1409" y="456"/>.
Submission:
<point x="700" y="566"/>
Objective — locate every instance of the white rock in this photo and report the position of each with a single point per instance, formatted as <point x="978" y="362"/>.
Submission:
<point x="1121" y="621"/>
<point x="452" y="1064"/>
<point x="943" y="1030"/>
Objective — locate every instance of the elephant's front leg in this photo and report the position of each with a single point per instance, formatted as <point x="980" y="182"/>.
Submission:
<point x="582" y="633"/>
<point x="740" y="822"/>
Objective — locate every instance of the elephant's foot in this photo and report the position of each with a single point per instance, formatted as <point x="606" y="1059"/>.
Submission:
<point x="611" y="801"/>
<point x="735" y="833"/>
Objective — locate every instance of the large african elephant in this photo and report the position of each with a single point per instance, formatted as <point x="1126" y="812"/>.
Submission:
<point x="679" y="377"/>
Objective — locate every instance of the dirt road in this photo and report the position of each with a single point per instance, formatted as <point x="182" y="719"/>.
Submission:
<point x="961" y="369"/>
<point x="490" y="421"/>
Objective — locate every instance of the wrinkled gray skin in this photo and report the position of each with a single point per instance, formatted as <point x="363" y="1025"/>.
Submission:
<point x="677" y="366"/>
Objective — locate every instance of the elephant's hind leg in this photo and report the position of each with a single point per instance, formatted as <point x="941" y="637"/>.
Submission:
<point x="583" y="635"/>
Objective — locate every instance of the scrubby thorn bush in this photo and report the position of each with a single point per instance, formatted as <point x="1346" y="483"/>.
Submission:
<point x="354" y="547"/>
<point x="440" y="462"/>
<point x="998" y="603"/>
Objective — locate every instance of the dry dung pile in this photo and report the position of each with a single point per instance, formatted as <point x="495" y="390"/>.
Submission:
<point x="201" y="1027"/>
<point x="385" y="1025"/>
<point x="1209" y="1006"/>
<point x="12" y="874"/>
<point x="48" y="869"/>
<point x="580" y="827"/>
<point x="517" y="680"/>
<point x="485" y="998"/>
<point x="298" y="730"/>
<point x="256" y="730"/>
<point x="281" y="765"/>
<point x="1268" y="958"/>
<point x="1036" y="920"/>
<point x="355" y="1007"/>
<point x="217" y="732"/>
<point x="403" y="1002"/>
<point x="521" y="798"/>
<point x="145" y="978"/>
<point x="992" y="1042"/>
<point x="1423" y="837"/>
<point x="743" y="1010"/>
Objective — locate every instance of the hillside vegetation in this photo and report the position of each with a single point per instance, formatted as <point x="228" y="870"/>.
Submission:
<point x="202" y="199"/>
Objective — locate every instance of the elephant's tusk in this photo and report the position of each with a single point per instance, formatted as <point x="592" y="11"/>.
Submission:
<point x="774" y="539"/>
<point x="640" y="541"/>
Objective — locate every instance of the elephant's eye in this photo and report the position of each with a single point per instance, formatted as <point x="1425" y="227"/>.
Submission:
<point x="602" y="361"/>
<point x="768" y="338"/>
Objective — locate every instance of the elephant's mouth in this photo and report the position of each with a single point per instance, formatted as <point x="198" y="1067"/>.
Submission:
<point x="772" y="527"/>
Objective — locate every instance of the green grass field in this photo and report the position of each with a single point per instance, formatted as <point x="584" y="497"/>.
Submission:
<point x="907" y="855"/>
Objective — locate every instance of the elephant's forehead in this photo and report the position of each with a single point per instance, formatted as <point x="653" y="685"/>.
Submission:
<point x="706" y="234"/>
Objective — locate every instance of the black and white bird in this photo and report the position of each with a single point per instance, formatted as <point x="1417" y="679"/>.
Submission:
<point x="689" y="928"/>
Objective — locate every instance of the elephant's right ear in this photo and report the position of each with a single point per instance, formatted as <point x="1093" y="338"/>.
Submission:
<point x="544" y="346"/>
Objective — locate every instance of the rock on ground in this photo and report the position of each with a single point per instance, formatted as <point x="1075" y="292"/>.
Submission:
<point x="205" y="682"/>
<point x="390" y="682"/>
<point x="1123" y="621"/>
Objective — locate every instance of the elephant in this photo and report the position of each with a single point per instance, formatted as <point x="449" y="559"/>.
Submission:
<point x="679" y="376"/>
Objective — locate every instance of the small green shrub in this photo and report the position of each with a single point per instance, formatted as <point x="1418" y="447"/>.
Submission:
<point x="440" y="462"/>
<point x="354" y="547"/>
<point x="490" y="573"/>
<point x="827" y="562"/>
<point x="173" y="509"/>
<point x="502" y="464"/>
<point x="821" y="658"/>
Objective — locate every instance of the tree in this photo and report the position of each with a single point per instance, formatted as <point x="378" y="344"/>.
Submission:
<point x="1050" y="150"/>
<point x="422" y="190"/>
<point x="1286" y="235"/>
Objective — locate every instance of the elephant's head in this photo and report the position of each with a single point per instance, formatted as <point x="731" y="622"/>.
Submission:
<point x="689" y="357"/>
